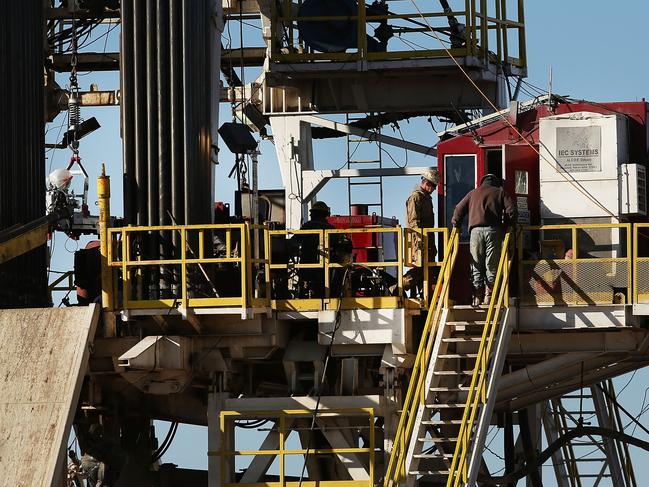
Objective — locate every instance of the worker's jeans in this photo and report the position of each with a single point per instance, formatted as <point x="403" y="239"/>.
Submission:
<point x="485" y="247"/>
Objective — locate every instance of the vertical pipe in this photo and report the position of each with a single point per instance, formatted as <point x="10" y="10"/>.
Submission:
<point x="152" y="274"/>
<point x="127" y="108"/>
<point x="22" y="167"/>
<point x="214" y="43"/>
<point x="164" y="155"/>
<point x="139" y="74"/>
<point x="177" y="111"/>
<point x="152" y="112"/>
<point x="188" y="155"/>
<point x="103" y="192"/>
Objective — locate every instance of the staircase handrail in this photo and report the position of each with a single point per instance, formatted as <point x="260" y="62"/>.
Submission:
<point x="395" y="471"/>
<point x="477" y="394"/>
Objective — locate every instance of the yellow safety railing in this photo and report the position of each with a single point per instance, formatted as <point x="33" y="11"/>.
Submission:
<point x="484" y="29"/>
<point x="284" y="422"/>
<point x="386" y="263"/>
<point x="289" y="277"/>
<point x="431" y="263"/>
<point x="396" y="469"/>
<point x="283" y="277"/>
<point x="641" y="263"/>
<point x="138" y="276"/>
<point x="477" y="394"/>
<point x="578" y="264"/>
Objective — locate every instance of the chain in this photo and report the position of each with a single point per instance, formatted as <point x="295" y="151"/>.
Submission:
<point x="74" y="109"/>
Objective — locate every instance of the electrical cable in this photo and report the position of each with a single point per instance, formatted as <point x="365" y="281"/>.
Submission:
<point x="166" y="443"/>
<point x="570" y="180"/>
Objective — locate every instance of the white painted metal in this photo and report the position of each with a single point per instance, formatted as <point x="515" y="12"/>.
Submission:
<point x="497" y="361"/>
<point x="633" y="189"/>
<point x="366" y="327"/>
<point x="583" y="148"/>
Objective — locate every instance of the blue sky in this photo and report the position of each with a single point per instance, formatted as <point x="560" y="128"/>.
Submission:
<point x="596" y="50"/>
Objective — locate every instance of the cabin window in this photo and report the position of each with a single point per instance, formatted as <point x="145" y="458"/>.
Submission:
<point x="459" y="179"/>
<point x="521" y="180"/>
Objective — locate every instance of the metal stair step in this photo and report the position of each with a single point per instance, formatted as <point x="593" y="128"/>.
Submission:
<point x="437" y="440"/>
<point x="453" y="372"/>
<point x="450" y="389"/>
<point x="436" y="473"/>
<point x="454" y="405"/>
<point x="467" y="323"/>
<point x="459" y="355"/>
<point x="442" y="422"/>
<point x="432" y="456"/>
<point x="462" y="339"/>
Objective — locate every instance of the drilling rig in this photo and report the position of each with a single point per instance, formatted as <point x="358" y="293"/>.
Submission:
<point x="295" y="343"/>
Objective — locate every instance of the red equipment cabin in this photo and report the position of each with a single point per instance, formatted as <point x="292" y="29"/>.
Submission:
<point x="494" y="146"/>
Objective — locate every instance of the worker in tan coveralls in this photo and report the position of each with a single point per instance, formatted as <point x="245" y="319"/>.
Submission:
<point x="419" y="208"/>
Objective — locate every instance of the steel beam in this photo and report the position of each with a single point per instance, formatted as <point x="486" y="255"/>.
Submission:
<point x="251" y="56"/>
<point x="306" y="402"/>
<point x="87" y="61"/>
<point x="370" y="135"/>
<point x="315" y="180"/>
<point x="606" y="421"/>
<point x="552" y="434"/>
<point x="64" y="13"/>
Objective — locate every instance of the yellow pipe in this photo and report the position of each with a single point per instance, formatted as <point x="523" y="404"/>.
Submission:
<point x="103" y="191"/>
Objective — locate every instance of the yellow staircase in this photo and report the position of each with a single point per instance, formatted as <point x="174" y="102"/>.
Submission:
<point x="449" y="404"/>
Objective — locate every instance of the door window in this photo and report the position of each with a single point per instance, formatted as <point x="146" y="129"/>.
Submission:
<point x="521" y="182"/>
<point x="459" y="179"/>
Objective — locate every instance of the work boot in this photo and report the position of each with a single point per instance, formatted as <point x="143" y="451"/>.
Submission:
<point x="487" y="295"/>
<point x="478" y="295"/>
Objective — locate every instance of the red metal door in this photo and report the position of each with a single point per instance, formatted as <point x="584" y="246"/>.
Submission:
<point x="522" y="181"/>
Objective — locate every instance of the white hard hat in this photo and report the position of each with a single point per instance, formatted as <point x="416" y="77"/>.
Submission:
<point x="60" y="179"/>
<point x="431" y="175"/>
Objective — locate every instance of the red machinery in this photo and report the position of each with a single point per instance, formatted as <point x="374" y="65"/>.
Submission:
<point x="366" y="246"/>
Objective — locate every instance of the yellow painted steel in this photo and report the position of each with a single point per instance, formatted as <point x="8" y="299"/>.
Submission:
<point x="24" y="243"/>
<point x="103" y="192"/>
<point x="127" y="264"/>
<point x="228" y="453"/>
<point x="477" y="394"/>
<point x="396" y="470"/>
<point x="576" y="279"/>
<point x="479" y="17"/>
<point x="640" y="266"/>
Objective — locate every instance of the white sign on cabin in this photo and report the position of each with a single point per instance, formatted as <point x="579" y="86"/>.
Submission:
<point x="579" y="149"/>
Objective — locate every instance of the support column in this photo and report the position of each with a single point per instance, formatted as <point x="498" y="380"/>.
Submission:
<point x="606" y="421"/>
<point x="295" y="153"/>
<point x="552" y="434"/>
<point x="215" y="402"/>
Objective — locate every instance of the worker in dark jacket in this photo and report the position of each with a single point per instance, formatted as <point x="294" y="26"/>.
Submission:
<point x="490" y="211"/>
<point x="339" y="252"/>
<point x="419" y="209"/>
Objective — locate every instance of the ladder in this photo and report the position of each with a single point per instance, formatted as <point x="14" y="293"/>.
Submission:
<point x="450" y="400"/>
<point x="589" y="460"/>
<point x="360" y="154"/>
